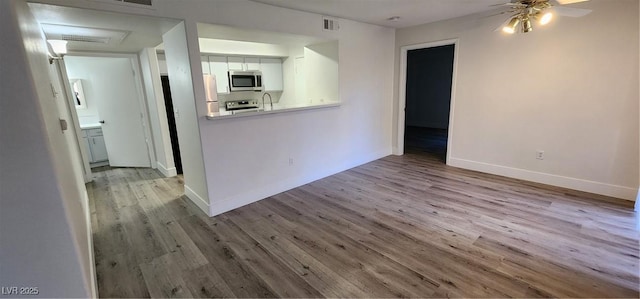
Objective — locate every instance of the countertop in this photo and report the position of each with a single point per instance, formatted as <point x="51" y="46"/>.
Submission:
<point x="223" y="114"/>
<point x="90" y="126"/>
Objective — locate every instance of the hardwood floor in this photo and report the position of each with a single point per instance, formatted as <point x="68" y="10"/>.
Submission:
<point x="402" y="226"/>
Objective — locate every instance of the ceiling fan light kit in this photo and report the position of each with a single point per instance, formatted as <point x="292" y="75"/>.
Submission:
<point x="511" y="27"/>
<point x="539" y="10"/>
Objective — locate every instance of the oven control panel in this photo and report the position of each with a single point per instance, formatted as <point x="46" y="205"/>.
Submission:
<point x="241" y="104"/>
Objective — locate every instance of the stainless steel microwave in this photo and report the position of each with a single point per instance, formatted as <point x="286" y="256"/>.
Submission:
<point x="245" y="81"/>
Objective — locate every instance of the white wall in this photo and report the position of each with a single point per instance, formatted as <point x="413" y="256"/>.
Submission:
<point x="88" y="115"/>
<point x="184" y="105"/>
<point x="288" y="96"/>
<point x="43" y="208"/>
<point x="162" y="64"/>
<point x="157" y="112"/>
<point x="321" y="73"/>
<point x="570" y="89"/>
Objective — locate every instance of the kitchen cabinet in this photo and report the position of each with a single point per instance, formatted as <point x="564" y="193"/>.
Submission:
<point x="272" y="74"/>
<point x="243" y="63"/>
<point x="206" y="70"/>
<point x="252" y="64"/>
<point x="235" y="63"/>
<point x="94" y="141"/>
<point x="219" y="68"/>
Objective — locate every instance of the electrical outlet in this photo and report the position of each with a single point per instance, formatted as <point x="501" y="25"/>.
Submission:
<point x="290" y="161"/>
<point x="540" y="155"/>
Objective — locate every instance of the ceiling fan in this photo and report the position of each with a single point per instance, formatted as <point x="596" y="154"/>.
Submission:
<point x="526" y="11"/>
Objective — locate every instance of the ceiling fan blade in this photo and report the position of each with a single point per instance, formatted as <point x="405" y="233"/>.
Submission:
<point x="505" y="4"/>
<point x="493" y="15"/>
<point x="565" y="2"/>
<point x="571" y="12"/>
<point x="511" y="3"/>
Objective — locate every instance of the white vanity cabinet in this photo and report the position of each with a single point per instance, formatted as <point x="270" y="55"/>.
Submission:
<point x="271" y="74"/>
<point x="94" y="141"/>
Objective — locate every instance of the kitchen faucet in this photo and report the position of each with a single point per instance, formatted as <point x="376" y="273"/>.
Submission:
<point x="270" y="100"/>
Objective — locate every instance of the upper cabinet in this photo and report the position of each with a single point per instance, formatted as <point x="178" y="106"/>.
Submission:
<point x="252" y="64"/>
<point x="219" y="68"/>
<point x="236" y="63"/>
<point x="271" y="74"/>
<point x="205" y="65"/>
<point x="243" y="63"/>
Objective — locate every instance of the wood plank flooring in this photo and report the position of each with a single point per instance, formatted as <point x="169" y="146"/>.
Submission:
<point x="402" y="226"/>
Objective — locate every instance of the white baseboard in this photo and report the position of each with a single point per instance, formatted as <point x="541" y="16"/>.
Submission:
<point x="251" y="196"/>
<point x="167" y="172"/>
<point x="197" y="199"/>
<point x="549" y="179"/>
<point x="99" y="164"/>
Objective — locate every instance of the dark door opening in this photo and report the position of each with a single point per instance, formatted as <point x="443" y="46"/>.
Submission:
<point x="428" y="100"/>
<point x="171" y="118"/>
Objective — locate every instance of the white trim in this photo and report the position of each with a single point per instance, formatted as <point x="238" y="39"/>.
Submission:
<point x="197" y="199"/>
<point x="99" y="164"/>
<point x="167" y="172"/>
<point x="84" y="155"/>
<point x="60" y="68"/>
<point x="143" y="104"/>
<point x="622" y="192"/>
<point x="636" y="206"/>
<point x="402" y="93"/>
<point x="253" y="195"/>
<point x="92" y="258"/>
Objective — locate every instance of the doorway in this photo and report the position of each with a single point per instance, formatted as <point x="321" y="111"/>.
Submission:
<point x="171" y="120"/>
<point x="429" y="72"/>
<point x="112" y="113"/>
<point x="427" y="82"/>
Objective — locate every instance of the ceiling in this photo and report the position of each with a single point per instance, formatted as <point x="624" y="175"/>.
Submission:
<point x="131" y="34"/>
<point x="411" y="12"/>
<point x="125" y="34"/>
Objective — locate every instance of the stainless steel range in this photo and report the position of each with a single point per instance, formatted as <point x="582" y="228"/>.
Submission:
<point x="242" y="105"/>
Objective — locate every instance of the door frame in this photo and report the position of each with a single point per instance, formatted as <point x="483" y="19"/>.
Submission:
<point x="402" y="92"/>
<point x="71" y="107"/>
<point x="142" y="99"/>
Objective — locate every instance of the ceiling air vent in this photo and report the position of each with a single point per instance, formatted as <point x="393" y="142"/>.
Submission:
<point x="86" y="39"/>
<point x="84" y="34"/>
<point x="330" y="24"/>
<point x="141" y="2"/>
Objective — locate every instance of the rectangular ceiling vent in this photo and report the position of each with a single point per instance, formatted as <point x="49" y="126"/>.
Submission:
<point x="84" y="34"/>
<point x="140" y="2"/>
<point x="86" y="39"/>
<point x="148" y="4"/>
<point x="330" y="24"/>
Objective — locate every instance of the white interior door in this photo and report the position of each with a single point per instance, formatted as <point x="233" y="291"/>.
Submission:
<point x="113" y="89"/>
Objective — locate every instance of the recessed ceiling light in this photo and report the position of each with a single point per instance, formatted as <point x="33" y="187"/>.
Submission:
<point x="393" y="19"/>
